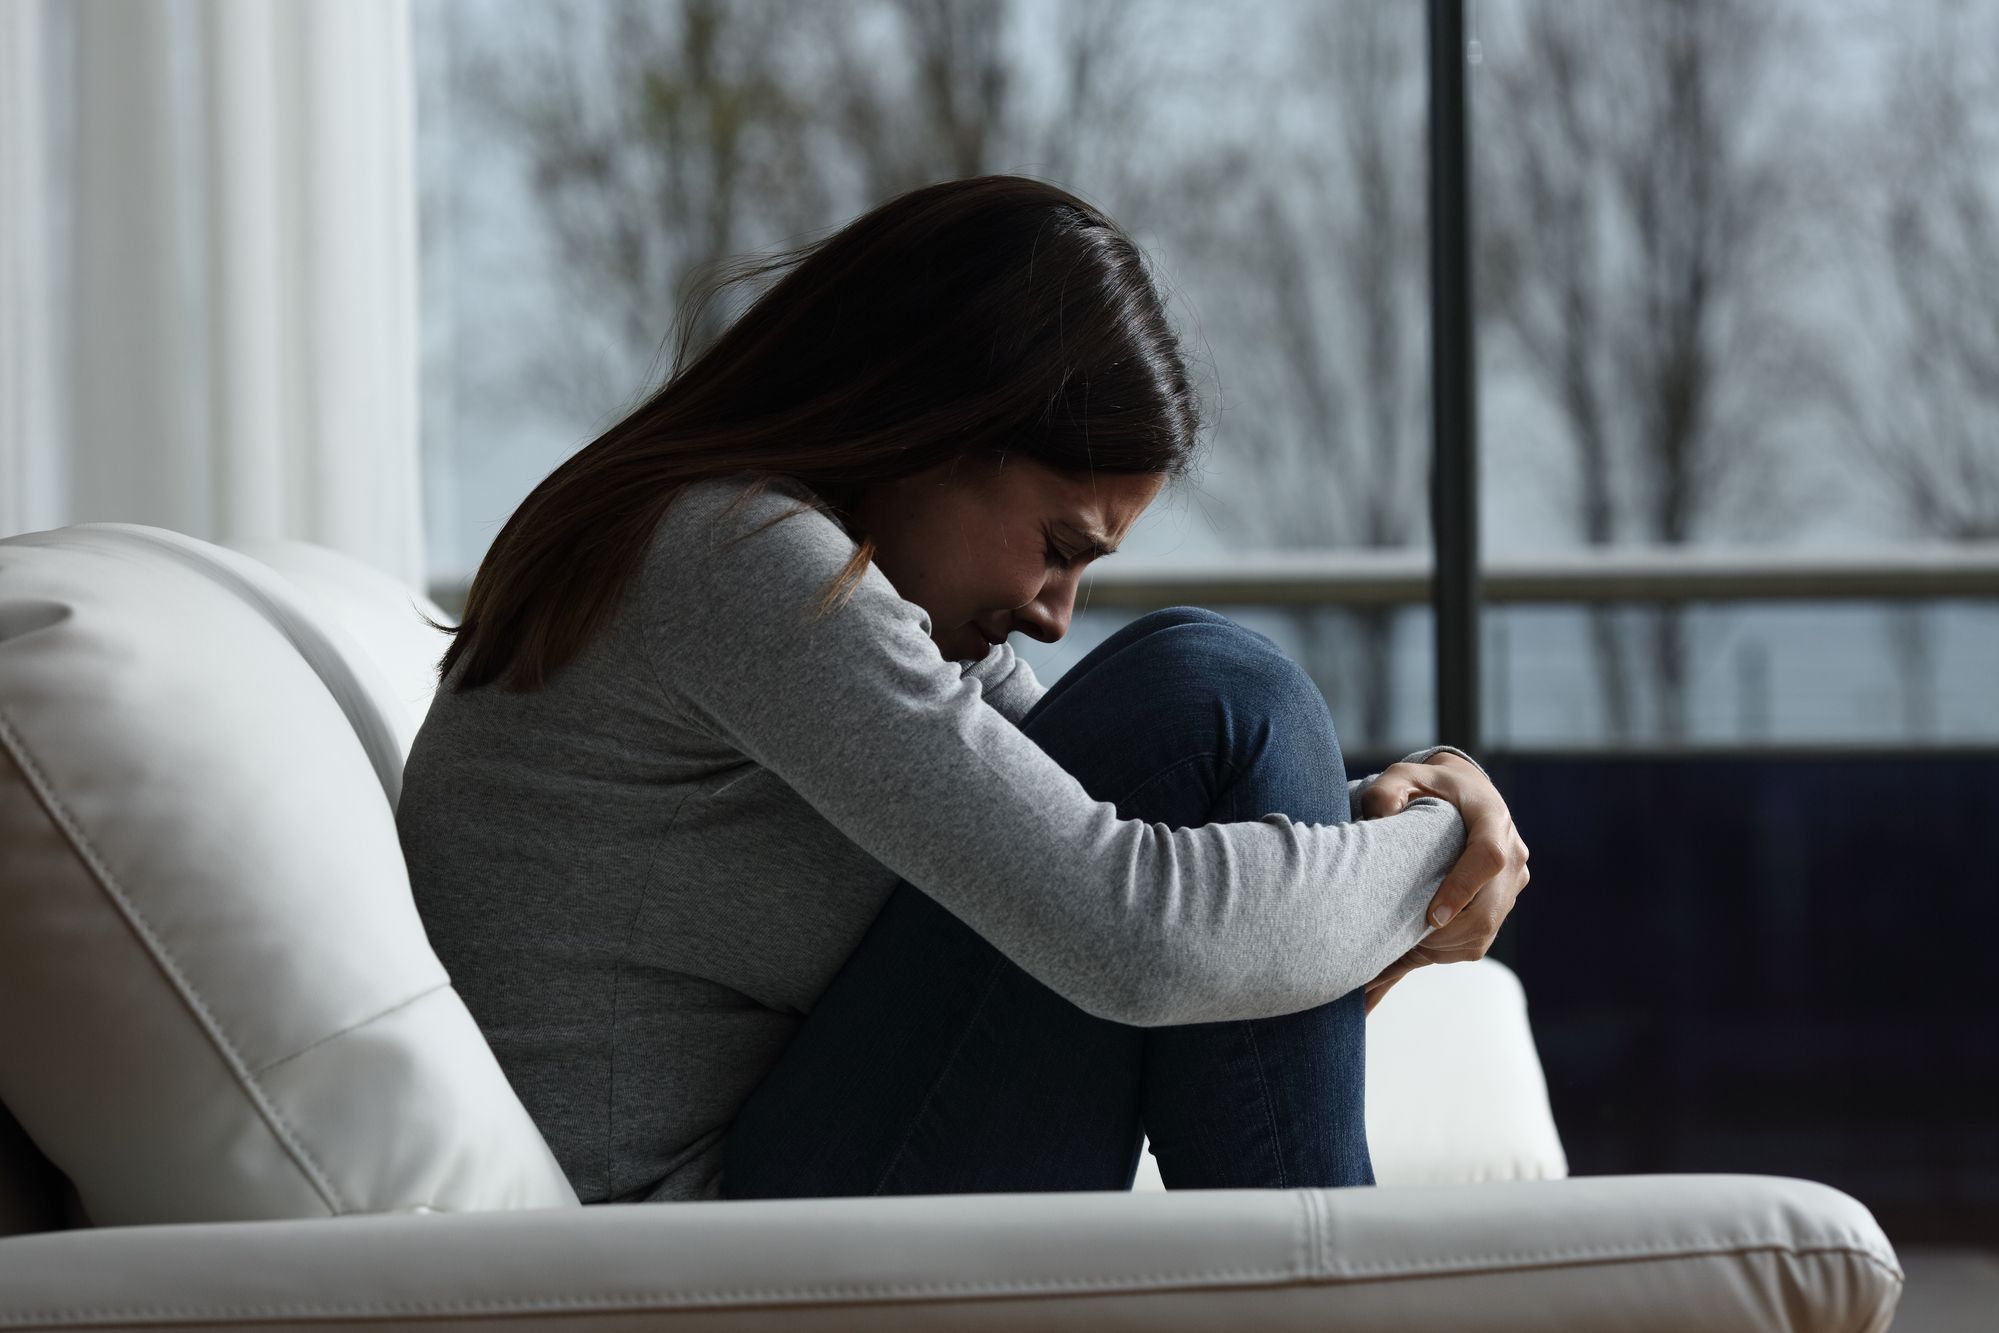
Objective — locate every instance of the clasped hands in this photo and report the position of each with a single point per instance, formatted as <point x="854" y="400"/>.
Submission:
<point x="1478" y="893"/>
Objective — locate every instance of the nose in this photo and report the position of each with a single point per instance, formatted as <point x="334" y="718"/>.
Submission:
<point x="1046" y="618"/>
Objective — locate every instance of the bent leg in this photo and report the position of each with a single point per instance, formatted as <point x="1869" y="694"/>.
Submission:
<point x="932" y="1064"/>
<point x="1274" y="1102"/>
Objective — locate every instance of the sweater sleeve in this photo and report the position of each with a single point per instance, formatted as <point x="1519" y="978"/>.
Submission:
<point x="1011" y="686"/>
<point x="1131" y="920"/>
<point x="1007" y="681"/>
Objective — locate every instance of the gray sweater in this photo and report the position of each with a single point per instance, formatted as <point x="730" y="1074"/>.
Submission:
<point x="641" y="876"/>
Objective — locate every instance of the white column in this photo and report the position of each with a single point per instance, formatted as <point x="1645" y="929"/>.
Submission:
<point x="357" y="224"/>
<point x="246" y="361"/>
<point x="33" y="487"/>
<point x="137" y="448"/>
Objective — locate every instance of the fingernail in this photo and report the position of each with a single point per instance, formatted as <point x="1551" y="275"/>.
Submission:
<point x="1442" y="916"/>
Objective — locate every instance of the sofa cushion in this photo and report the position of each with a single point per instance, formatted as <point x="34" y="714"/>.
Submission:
<point x="1454" y="1090"/>
<point x="216" y="999"/>
<point x="373" y="611"/>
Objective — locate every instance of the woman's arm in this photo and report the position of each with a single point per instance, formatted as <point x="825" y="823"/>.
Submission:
<point x="1010" y="685"/>
<point x="1007" y="681"/>
<point x="1131" y="920"/>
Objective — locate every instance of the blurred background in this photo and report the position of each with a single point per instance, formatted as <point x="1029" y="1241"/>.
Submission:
<point x="378" y="267"/>
<point x="1737" y="293"/>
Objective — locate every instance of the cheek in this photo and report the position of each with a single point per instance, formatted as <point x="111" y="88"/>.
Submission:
<point x="999" y="566"/>
<point x="1017" y="591"/>
<point x="1017" y="574"/>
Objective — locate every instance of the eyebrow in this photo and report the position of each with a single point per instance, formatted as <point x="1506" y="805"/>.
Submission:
<point x="1099" y="544"/>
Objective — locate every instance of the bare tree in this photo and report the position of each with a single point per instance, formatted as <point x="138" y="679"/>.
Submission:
<point x="953" y="114"/>
<point x="1331" y="332"/>
<point x="1920" y="403"/>
<point x="1923" y="399"/>
<point x="659" y="138"/>
<point x="664" y="137"/>
<point x="1640" y="215"/>
<point x="924" y="90"/>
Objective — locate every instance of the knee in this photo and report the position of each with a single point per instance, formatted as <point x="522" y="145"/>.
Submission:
<point x="1201" y="634"/>
<point x="1200" y="687"/>
<point x="1168" y="616"/>
<point x="1193" y="648"/>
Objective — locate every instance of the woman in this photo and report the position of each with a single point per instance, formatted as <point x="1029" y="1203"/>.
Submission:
<point x="767" y="868"/>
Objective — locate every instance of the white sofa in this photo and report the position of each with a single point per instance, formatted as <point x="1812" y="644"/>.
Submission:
<point x="242" y="1093"/>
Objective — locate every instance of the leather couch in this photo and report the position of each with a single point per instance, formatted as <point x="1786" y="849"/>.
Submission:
<point x="241" y="1093"/>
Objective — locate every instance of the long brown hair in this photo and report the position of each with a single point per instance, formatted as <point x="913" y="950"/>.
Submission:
<point x="991" y="315"/>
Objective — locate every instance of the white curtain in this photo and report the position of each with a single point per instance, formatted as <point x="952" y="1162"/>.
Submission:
<point x="209" y="268"/>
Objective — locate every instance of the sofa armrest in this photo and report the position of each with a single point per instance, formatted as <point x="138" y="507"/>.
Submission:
<point x="1714" y="1252"/>
<point x="1455" y="1093"/>
<point x="1455" y="1090"/>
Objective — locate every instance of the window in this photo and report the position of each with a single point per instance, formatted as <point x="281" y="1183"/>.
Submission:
<point x="580" y="162"/>
<point x="1738" y="404"/>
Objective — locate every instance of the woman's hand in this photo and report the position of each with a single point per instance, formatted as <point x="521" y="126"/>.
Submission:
<point x="1478" y="894"/>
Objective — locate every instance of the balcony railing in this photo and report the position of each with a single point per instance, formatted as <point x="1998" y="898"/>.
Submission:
<point x="1706" y="573"/>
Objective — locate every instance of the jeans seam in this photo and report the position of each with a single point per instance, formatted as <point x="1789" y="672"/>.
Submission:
<point x="930" y="1094"/>
<point x="1227" y="786"/>
<point x="1269" y="1107"/>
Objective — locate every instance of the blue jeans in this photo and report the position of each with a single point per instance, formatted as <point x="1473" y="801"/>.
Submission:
<point x="934" y="1065"/>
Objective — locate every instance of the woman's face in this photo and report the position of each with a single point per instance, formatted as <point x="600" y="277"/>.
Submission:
<point x="991" y="549"/>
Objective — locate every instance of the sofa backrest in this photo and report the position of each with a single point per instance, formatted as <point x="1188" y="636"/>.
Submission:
<point x="373" y="615"/>
<point x="216" y="998"/>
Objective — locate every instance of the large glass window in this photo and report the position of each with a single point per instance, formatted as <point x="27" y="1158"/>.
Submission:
<point x="1735" y="270"/>
<point x="1739" y="395"/>
<point x="582" y="162"/>
<point x="1738" y="406"/>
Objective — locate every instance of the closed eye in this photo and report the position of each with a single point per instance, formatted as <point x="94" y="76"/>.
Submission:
<point x="1059" y="560"/>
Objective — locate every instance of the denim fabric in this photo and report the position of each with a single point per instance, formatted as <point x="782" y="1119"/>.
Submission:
<point x="932" y="1064"/>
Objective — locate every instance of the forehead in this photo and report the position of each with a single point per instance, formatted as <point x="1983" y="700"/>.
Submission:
<point x="1120" y="496"/>
<point x="1100" y="507"/>
<point x="1094" y="492"/>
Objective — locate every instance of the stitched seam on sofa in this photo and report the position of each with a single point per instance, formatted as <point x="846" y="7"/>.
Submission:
<point x="1308" y="1233"/>
<point x="352" y="1027"/>
<point x="1322" y="1235"/>
<point x="1464" y="1264"/>
<point x="1327" y="1261"/>
<point x="641" y="1300"/>
<point x="44" y="790"/>
<point x="861" y="1292"/>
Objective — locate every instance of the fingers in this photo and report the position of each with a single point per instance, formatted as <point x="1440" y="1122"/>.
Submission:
<point x="1488" y="855"/>
<point x="1408" y="962"/>
<point x="1492" y="869"/>
<point x="1393" y="973"/>
<point x="1389" y="792"/>
<point x="1399" y="783"/>
<point x="1380" y="800"/>
<point x="1474" y="927"/>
